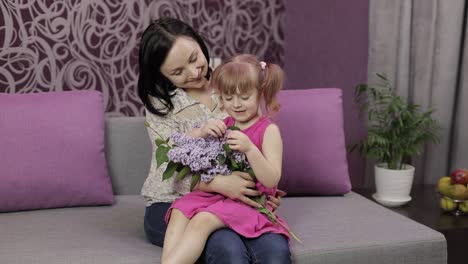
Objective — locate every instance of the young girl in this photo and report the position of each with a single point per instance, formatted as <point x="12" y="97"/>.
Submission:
<point x="242" y="83"/>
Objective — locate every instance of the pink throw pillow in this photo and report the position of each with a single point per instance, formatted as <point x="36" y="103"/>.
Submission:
<point x="314" y="155"/>
<point x="52" y="151"/>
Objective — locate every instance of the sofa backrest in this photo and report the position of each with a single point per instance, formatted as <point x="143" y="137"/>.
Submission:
<point x="311" y="123"/>
<point x="128" y="153"/>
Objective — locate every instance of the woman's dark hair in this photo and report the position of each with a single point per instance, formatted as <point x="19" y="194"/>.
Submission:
<point x="156" y="42"/>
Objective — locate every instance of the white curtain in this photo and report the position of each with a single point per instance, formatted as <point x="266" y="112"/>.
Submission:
<point x="422" y="47"/>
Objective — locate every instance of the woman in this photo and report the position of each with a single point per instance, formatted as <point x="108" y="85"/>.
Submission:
<point x="173" y="85"/>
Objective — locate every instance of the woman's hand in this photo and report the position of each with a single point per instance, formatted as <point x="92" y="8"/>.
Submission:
<point x="236" y="186"/>
<point x="275" y="202"/>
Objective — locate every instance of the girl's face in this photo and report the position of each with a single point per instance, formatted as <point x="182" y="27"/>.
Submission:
<point x="185" y="65"/>
<point x="243" y="107"/>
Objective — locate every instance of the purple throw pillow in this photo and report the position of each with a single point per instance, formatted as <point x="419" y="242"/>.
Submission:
<point x="314" y="150"/>
<point x="52" y="151"/>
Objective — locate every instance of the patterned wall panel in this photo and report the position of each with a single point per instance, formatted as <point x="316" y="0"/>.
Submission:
<point x="49" y="45"/>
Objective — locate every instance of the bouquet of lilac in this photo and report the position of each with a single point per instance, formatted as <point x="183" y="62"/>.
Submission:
<point x="203" y="159"/>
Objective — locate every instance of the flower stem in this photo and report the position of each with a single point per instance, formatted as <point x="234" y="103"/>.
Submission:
<point x="272" y="217"/>
<point x="149" y="126"/>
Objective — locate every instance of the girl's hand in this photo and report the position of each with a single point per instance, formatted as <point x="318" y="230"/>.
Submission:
<point x="213" y="127"/>
<point x="275" y="202"/>
<point x="239" y="141"/>
<point x="238" y="186"/>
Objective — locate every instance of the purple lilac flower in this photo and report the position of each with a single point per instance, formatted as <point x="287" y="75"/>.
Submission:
<point x="198" y="153"/>
<point x="181" y="139"/>
<point x="201" y="155"/>
<point x="209" y="174"/>
<point x="239" y="157"/>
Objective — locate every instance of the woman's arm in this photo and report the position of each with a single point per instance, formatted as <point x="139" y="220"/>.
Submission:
<point x="275" y="202"/>
<point x="236" y="186"/>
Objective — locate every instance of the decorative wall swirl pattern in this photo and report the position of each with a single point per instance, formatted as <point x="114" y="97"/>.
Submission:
<point x="49" y="45"/>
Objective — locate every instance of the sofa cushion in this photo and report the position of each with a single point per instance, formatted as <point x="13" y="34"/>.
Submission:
<point x="353" y="229"/>
<point x="314" y="156"/>
<point x="109" y="234"/>
<point x="52" y="151"/>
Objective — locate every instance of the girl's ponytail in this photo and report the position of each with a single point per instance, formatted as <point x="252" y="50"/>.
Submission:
<point x="272" y="83"/>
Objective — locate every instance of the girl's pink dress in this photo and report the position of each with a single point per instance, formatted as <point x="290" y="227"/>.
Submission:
<point x="238" y="216"/>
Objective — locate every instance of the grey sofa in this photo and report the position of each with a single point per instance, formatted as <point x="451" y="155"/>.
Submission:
<point x="342" y="229"/>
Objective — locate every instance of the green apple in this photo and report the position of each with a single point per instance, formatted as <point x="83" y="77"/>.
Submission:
<point x="458" y="192"/>
<point x="443" y="186"/>
<point x="464" y="207"/>
<point x="447" y="204"/>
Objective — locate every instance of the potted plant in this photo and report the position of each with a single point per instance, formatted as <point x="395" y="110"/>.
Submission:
<point x="397" y="131"/>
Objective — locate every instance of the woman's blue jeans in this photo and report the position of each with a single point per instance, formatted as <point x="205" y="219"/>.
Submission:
<point x="224" y="245"/>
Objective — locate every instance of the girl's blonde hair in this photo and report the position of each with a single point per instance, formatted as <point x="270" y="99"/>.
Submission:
<point x="244" y="72"/>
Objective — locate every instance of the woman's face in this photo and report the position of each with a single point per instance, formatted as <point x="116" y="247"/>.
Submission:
<point x="185" y="65"/>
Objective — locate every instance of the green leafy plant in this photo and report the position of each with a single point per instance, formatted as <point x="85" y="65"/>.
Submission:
<point x="397" y="130"/>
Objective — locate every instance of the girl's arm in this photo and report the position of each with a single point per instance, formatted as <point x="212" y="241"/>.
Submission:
<point x="266" y="165"/>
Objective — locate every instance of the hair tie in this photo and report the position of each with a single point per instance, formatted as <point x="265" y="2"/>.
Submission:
<point x="263" y="65"/>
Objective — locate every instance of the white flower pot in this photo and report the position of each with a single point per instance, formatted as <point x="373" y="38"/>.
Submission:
<point x="393" y="186"/>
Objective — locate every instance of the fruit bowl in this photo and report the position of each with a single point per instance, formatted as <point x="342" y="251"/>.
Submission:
<point x="453" y="206"/>
<point x="453" y="192"/>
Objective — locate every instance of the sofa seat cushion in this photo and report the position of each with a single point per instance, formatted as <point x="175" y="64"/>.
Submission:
<point x="353" y="229"/>
<point x="101" y="234"/>
<point x="342" y="229"/>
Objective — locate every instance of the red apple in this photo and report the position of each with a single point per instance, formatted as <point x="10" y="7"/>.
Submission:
<point x="459" y="176"/>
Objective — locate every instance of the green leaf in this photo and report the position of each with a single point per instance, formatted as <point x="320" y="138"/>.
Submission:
<point x="227" y="148"/>
<point x="160" y="142"/>
<point x="252" y="174"/>
<point x="381" y="76"/>
<point x="221" y="159"/>
<point x="262" y="199"/>
<point x="161" y="155"/>
<point x="351" y="147"/>
<point x="241" y="166"/>
<point x="195" y="180"/>
<point x="182" y="173"/>
<point x="170" y="169"/>
<point x="234" y="163"/>
<point x="180" y="166"/>
<point x="233" y="128"/>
